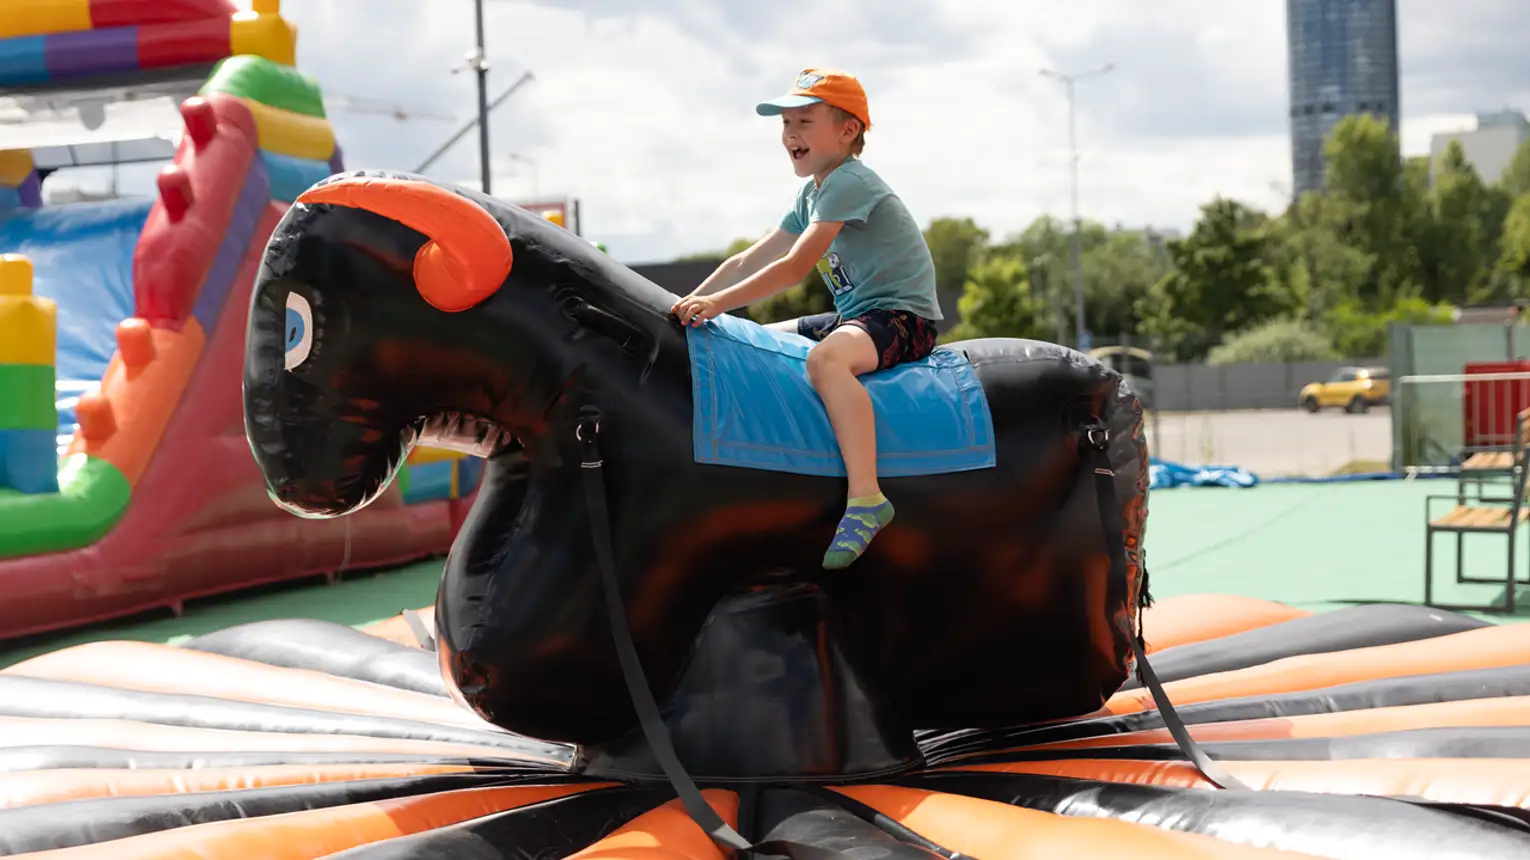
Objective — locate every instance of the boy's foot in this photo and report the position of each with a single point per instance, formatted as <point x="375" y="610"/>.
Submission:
<point x="863" y="518"/>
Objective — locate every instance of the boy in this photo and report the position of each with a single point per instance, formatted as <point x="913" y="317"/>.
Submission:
<point x="871" y="254"/>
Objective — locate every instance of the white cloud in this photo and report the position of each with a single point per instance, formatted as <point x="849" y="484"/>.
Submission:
<point x="644" y="111"/>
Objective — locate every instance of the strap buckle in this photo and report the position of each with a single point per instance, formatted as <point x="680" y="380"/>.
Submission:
<point x="1097" y="436"/>
<point x="588" y="426"/>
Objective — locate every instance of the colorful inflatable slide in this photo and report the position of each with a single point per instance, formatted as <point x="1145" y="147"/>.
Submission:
<point x="142" y="492"/>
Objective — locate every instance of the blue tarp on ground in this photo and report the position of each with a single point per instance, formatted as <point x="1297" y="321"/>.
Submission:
<point x="755" y="408"/>
<point x="1163" y="475"/>
<point x="82" y="255"/>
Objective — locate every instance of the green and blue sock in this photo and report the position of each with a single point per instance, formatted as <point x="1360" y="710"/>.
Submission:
<point x="864" y="517"/>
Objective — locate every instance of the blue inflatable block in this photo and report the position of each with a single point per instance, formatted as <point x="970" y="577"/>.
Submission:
<point x="755" y="408"/>
<point x="469" y="473"/>
<point x="29" y="461"/>
<point x="429" y="482"/>
<point x="10" y="198"/>
<point x="292" y="176"/>
<point x="82" y="255"/>
<point x="23" y="60"/>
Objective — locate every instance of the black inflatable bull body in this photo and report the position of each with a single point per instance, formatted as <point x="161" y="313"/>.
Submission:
<point x="390" y="311"/>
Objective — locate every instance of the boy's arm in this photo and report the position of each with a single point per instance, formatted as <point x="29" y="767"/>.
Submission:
<point x="783" y="273"/>
<point x="747" y="262"/>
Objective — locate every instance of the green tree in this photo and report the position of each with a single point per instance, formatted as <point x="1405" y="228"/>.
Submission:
<point x="956" y="245"/>
<point x="1464" y="223"/>
<point x="1374" y="201"/>
<point x="1514" y="257"/>
<point x="1275" y="342"/>
<point x="1362" y="333"/>
<point x="734" y="247"/>
<point x="1222" y="282"/>
<point x="1516" y="179"/>
<point x="997" y="301"/>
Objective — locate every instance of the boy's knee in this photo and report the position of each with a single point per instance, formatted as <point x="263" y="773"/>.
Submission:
<point x="823" y="359"/>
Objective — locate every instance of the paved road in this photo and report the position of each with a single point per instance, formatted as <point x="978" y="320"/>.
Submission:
<point x="1273" y="442"/>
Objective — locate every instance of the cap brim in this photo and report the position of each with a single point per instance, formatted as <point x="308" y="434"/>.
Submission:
<point x="781" y="103"/>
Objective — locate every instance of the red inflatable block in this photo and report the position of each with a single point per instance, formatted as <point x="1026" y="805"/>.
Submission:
<point x="187" y="223"/>
<point x="132" y="13"/>
<point x="183" y="44"/>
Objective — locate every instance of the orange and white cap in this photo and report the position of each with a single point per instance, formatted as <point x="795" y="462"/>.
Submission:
<point x="831" y="86"/>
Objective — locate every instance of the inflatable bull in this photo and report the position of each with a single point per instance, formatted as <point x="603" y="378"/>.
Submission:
<point x="391" y="311"/>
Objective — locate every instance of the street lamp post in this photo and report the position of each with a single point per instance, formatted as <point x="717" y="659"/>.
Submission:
<point x="1076" y="250"/>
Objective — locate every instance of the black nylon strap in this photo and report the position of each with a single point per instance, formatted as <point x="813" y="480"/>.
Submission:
<point x="724" y="836"/>
<point x="1095" y="440"/>
<point x="417" y="627"/>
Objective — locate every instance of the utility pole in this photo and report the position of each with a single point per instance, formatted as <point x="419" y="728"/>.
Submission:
<point x="475" y="121"/>
<point x="481" y="60"/>
<point x="1076" y="251"/>
<point x="478" y="61"/>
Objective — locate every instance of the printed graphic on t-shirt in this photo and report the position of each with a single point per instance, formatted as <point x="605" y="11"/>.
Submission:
<point x="834" y="274"/>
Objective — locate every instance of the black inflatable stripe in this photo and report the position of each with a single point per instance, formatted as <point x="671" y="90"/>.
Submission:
<point x="805" y="819"/>
<point x="17" y="759"/>
<point x="554" y="828"/>
<point x="1460" y="686"/>
<point x="1505" y="742"/>
<point x="85" y="822"/>
<point x="1365" y="626"/>
<point x="50" y="699"/>
<point x="1322" y="825"/>
<point x="324" y="646"/>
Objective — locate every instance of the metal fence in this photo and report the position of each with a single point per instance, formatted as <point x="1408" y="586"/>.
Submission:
<point x="1207" y="388"/>
<point x="1434" y="356"/>
<point x="1440" y="419"/>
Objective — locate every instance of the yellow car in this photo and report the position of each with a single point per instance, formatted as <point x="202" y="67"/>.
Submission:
<point x="1356" y="389"/>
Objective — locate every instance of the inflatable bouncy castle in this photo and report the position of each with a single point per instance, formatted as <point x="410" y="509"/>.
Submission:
<point x="126" y="481"/>
<point x="634" y="652"/>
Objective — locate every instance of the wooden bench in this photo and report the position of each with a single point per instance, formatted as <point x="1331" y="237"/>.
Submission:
<point x="1474" y="513"/>
<point x="1493" y="465"/>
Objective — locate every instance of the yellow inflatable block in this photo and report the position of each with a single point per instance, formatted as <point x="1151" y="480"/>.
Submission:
<point x="422" y="455"/>
<point x="263" y="35"/>
<point x="41" y="17"/>
<point x="28" y="330"/>
<point x="15" y="165"/>
<point x="287" y="133"/>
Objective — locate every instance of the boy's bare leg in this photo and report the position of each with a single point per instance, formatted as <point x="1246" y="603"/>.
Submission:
<point x="784" y="325"/>
<point x="833" y="365"/>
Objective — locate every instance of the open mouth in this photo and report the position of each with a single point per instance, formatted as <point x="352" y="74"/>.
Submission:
<point x="797" y="152"/>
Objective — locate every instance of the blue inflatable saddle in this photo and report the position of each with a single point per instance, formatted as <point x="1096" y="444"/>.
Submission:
<point x="755" y="408"/>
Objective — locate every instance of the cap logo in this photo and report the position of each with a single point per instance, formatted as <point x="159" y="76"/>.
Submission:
<point x="808" y="80"/>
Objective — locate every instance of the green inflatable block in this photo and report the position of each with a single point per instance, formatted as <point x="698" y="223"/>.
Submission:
<point x="402" y="479"/>
<point x="27" y="397"/>
<point x="91" y="499"/>
<point x="272" y="84"/>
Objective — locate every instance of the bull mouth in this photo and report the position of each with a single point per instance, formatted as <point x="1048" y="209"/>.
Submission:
<point x="372" y="462"/>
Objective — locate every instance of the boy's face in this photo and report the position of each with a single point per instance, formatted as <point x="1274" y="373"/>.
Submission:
<point x="814" y="139"/>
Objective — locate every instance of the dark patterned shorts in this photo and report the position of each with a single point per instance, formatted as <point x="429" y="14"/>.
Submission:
<point x="899" y="336"/>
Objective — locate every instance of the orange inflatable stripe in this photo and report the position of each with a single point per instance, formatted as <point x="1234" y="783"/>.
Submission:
<point x="166" y="669"/>
<point x="396" y="629"/>
<point x="128" y="735"/>
<point x="664" y="833"/>
<point x="29" y="788"/>
<point x="316" y="832"/>
<point x="1507" y="711"/>
<point x="1487" y="781"/>
<point x="998" y="831"/>
<point x="122" y="424"/>
<point x="1187" y="618"/>
<point x="1487" y="647"/>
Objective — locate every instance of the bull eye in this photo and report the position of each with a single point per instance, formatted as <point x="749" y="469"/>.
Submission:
<point x="298" y="330"/>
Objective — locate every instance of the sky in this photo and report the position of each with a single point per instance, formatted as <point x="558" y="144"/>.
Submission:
<point x="644" y="109"/>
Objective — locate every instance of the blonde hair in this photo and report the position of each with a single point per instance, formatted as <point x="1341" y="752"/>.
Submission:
<point x="843" y="115"/>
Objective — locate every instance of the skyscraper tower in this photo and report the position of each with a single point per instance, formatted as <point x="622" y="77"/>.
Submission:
<point x="1342" y="60"/>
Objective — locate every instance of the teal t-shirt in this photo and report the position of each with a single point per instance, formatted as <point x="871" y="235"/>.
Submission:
<point x="879" y="259"/>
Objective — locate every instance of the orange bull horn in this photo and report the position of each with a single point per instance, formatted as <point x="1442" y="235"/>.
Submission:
<point x="468" y="255"/>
